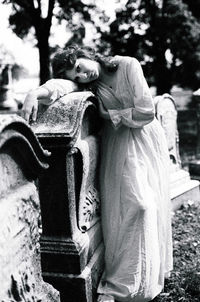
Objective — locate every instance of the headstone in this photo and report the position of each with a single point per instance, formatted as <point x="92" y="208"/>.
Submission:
<point x="21" y="160"/>
<point x="166" y="113"/>
<point x="71" y="243"/>
<point x="182" y="187"/>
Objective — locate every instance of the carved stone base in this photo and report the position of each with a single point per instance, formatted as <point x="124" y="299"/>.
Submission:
<point x="69" y="255"/>
<point x="182" y="188"/>
<point x="83" y="287"/>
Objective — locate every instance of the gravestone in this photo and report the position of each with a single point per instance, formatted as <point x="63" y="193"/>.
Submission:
<point x="22" y="159"/>
<point x="71" y="243"/>
<point x="182" y="187"/>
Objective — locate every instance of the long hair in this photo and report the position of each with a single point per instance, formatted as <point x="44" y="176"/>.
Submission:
<point x="65" y="60"/>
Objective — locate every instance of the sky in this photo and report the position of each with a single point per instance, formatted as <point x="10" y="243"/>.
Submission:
<point x="24" y="51"/>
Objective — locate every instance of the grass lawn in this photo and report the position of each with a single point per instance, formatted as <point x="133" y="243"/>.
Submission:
<point x="184" y="283"/>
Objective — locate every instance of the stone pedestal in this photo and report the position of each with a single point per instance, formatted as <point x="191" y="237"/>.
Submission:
<point x="182" y="187"/>
<point x="7" y="101"/>
<point x="71" y="243"/>
<point x="21" y="160"/>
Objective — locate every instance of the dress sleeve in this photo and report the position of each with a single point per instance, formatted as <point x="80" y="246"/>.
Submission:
<point x="57" y="88"/>
<point x="142" y="111"/>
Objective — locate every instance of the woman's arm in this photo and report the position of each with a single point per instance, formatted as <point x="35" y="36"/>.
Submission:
<point x="30" y="106"/>
<point x="142" y="110"/>
<point x="46" y="94"/>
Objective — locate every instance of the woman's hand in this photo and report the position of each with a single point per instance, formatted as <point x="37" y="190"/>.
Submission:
<point x="30" y="107"/>
<point x="103" y="112"/>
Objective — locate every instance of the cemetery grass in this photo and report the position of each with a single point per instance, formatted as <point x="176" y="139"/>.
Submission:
<point x="184" y="282"/>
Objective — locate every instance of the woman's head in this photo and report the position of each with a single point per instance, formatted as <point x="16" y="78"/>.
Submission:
<point x="80" y="64"/>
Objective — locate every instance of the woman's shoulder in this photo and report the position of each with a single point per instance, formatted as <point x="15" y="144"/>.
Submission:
<point x="125" y="60"/>
<point x="60" y="83"/>
<point x="128" y="65"/>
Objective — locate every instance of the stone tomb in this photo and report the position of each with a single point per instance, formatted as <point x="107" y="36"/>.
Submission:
<point x="71" y="242"/>
<point x="182" y="187"/>
<point x="21" y="160"/>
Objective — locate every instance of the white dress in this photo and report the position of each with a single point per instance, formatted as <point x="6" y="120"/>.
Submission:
<point x="134" y="188"/>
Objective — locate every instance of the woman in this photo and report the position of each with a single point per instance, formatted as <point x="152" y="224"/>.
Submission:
<point x="133" y="174"/>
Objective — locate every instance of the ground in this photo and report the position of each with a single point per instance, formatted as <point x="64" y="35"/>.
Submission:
<point x="184" y="283"/>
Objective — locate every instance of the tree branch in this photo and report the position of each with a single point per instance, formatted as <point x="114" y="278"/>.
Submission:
<point x="50" y="12"/>
<point x="15" y="8"/>
<point x="39" y="7"/>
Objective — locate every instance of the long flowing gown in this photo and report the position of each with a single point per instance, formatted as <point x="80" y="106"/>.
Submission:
<point x="134" y="189"/>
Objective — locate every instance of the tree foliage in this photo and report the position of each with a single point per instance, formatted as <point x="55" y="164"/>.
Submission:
<point x="28" y="15"/>
<point x="164" y="35"/>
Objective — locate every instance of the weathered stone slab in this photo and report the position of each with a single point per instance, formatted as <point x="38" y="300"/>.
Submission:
<point x="21" y="159"/>
<point x="63" y="120"/>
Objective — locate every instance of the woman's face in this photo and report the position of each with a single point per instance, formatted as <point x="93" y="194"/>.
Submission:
<point x="84" y="71"/>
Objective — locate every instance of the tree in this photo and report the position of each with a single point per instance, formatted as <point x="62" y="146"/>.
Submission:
<point x="164" y="35"/>
<point x="29" y="15"/>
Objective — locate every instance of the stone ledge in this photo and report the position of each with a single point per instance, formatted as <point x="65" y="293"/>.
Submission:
<point x="17" y="137"/>
<point x="188" y="191"/>
<point x="64" y="117"/>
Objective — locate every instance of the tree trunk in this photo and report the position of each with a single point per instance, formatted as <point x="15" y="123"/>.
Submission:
<point x="42" y="30"/>
<point x="43" y="46"/>
<point x="162" y="74"/>
<point x="157" y="34"/>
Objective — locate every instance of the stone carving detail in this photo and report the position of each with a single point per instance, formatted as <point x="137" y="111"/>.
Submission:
<point x="92" y="204"/>
<point x="20" y="274"/>
<point x="89" y="203"/>
<point x="166" y="113"/>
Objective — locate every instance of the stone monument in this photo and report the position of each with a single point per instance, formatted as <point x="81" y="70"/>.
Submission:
<point x="71" y="243"/>
<point x="7" y="101"/>
<point x="22" y="159"/>
<point x="182" y="187"/>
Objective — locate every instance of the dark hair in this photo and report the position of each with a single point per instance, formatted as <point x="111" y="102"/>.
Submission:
<point x="65" y="59"/>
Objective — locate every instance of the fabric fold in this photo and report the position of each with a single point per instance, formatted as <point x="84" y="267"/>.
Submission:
<point x="134" y="189"/>
<point x="130" y="117"/>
